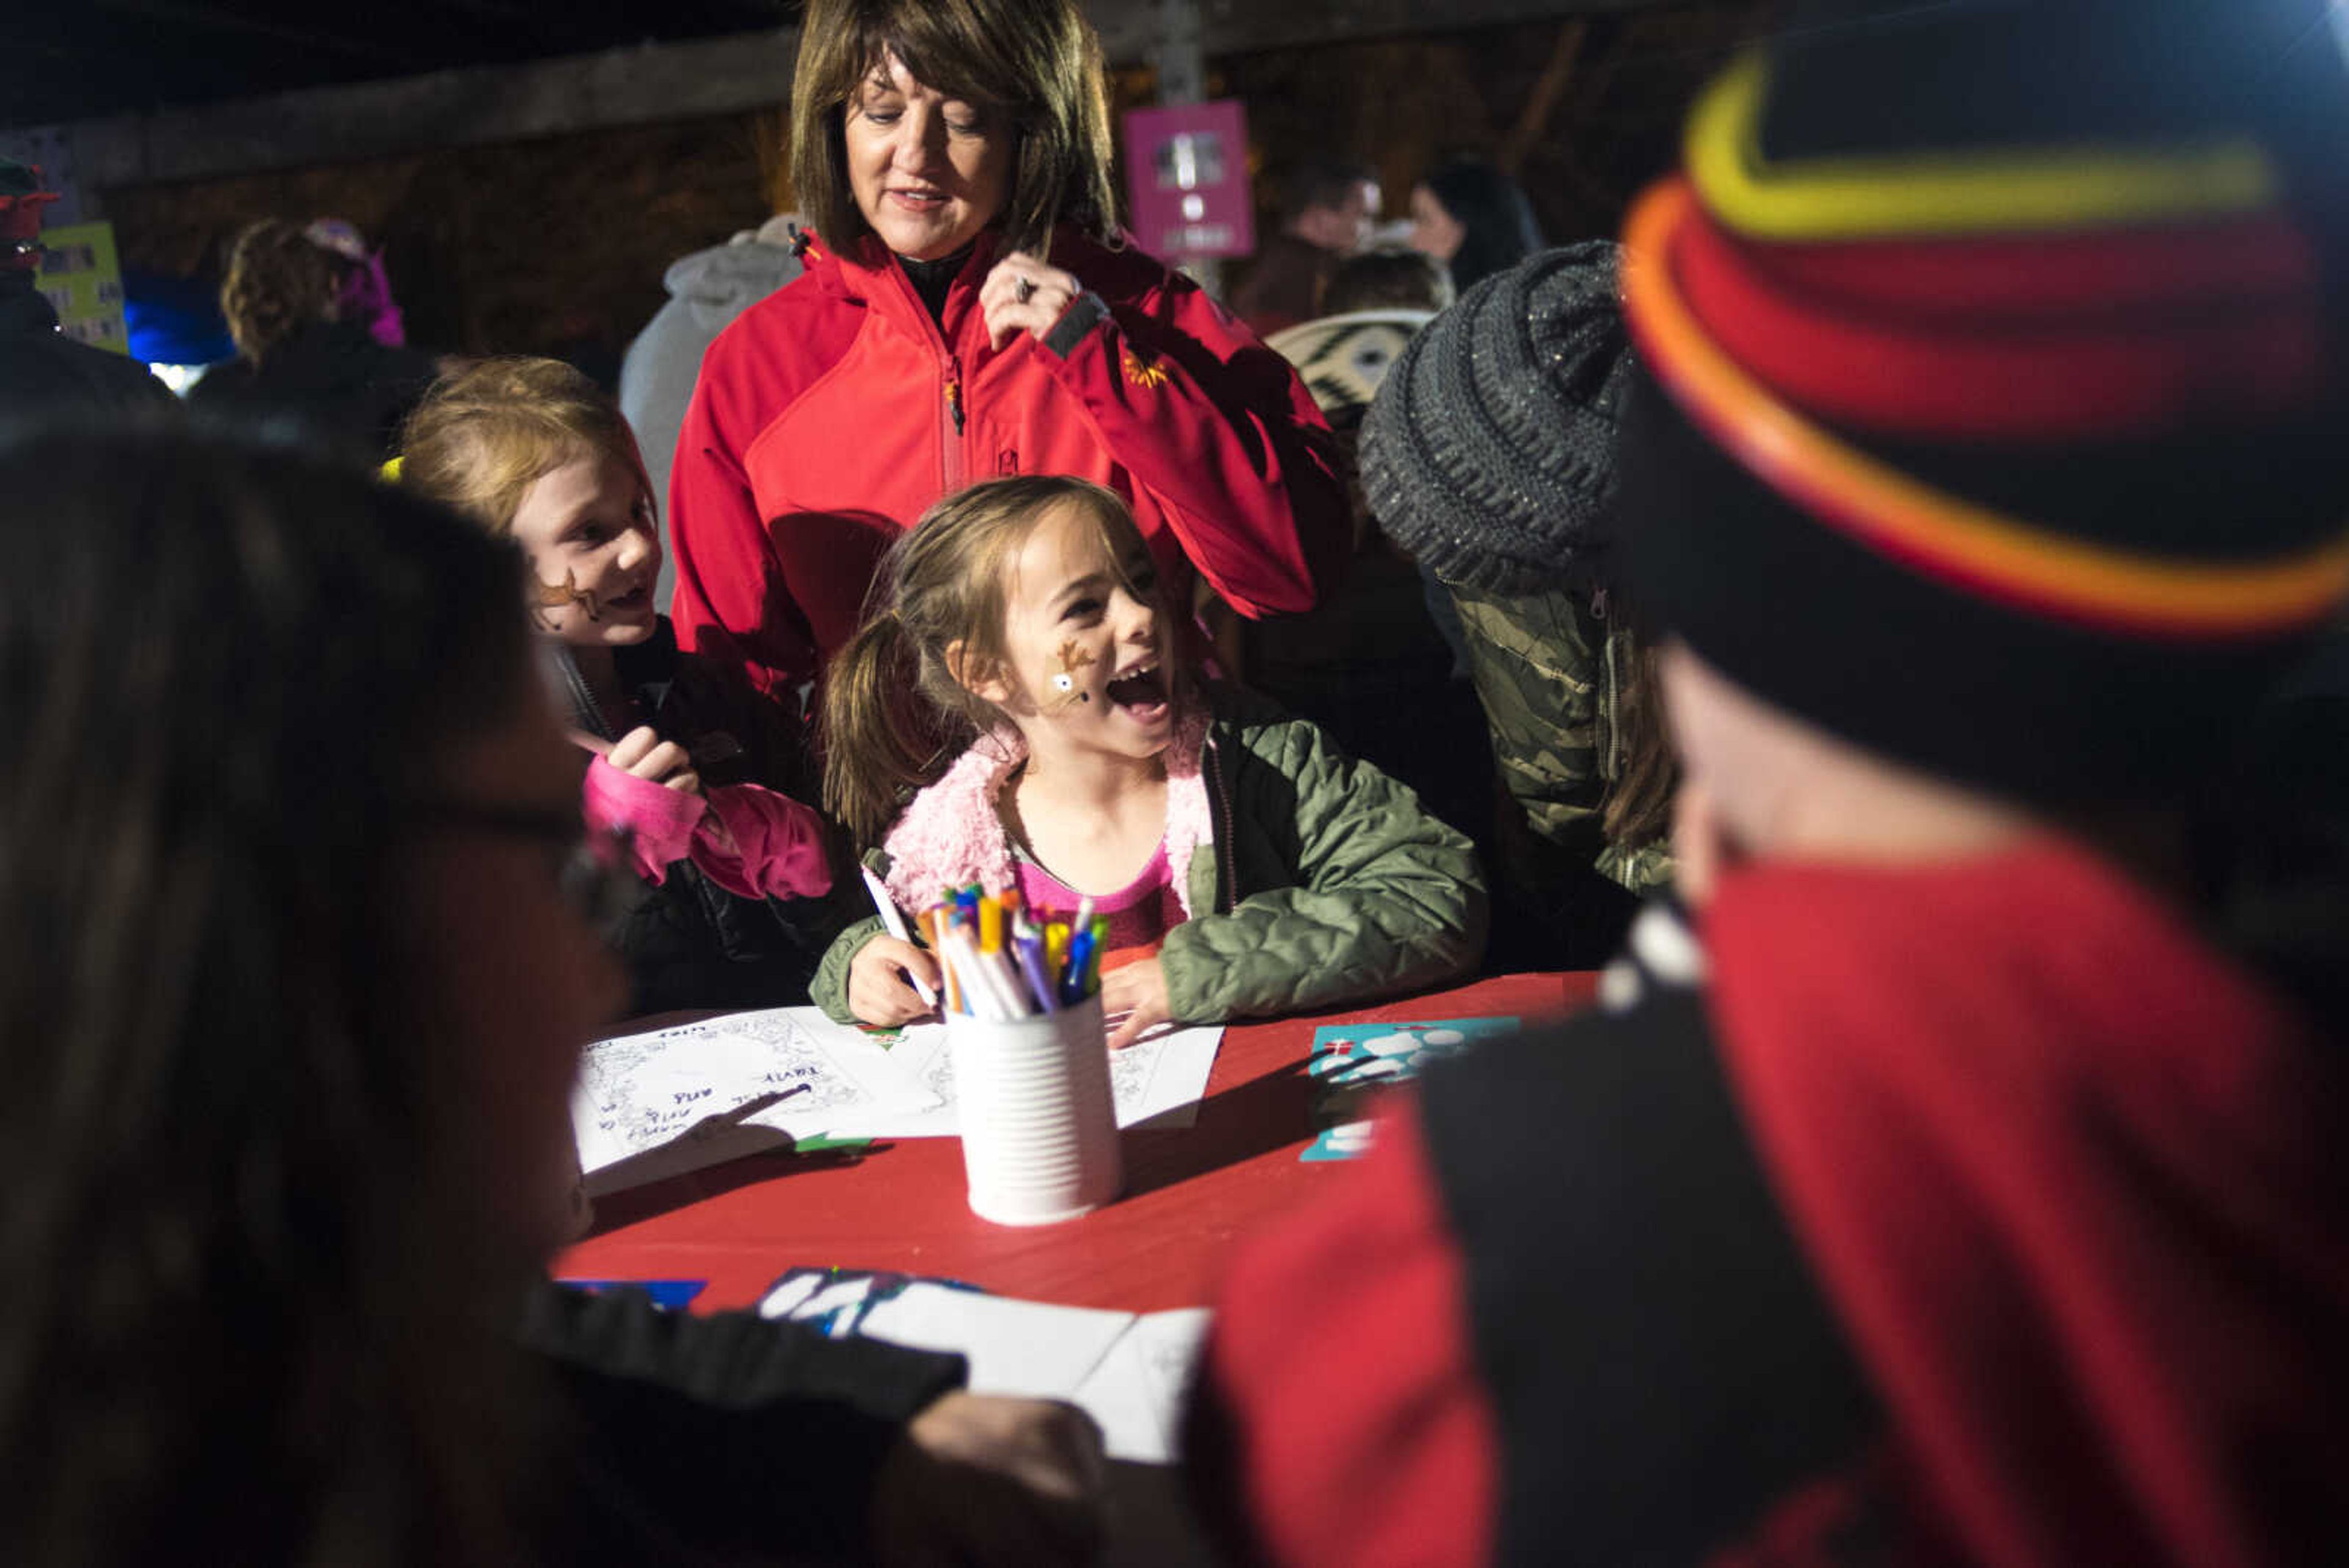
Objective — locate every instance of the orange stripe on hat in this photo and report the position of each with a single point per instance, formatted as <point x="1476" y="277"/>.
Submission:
<point x="1895" y="515"/>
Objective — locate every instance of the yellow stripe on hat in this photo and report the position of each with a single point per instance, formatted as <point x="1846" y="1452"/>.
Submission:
<point x="390" y="471"/>
<point x="2047" y="188"/>
<point x="1902" y="519"/>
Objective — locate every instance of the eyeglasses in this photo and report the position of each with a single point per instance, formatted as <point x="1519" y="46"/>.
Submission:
<point x="596" y="877"/>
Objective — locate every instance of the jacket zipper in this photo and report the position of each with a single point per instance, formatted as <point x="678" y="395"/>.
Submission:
<point x="954" y="464"/>
<point x="1228" y="895"/>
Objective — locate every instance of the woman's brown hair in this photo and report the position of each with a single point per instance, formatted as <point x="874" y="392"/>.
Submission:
<point x="278" y="283"/>
<point x="1036" y="63"/>
<point x="897" y="710"/>
<point x="485" y="435"/>
<point x="1641" y="770"/>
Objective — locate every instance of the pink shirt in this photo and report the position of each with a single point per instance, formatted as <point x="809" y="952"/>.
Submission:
<point x="1140" y="914"/>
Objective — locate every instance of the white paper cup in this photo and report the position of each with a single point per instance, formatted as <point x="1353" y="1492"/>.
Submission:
<point x="1038" y="1125"/>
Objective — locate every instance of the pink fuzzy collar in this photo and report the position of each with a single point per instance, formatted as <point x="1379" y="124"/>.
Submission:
<point x="950" y="835"/>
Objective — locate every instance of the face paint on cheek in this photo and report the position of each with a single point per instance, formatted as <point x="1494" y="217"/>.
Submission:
<point x="550" y="596"/>
<point x="1064" y="681"/>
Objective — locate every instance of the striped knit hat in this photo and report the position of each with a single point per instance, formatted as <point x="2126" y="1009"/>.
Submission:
<point x="1991" y="411"/>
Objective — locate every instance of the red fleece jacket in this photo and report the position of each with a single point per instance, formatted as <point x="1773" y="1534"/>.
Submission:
<point x="2069" y="1178"/>
<point x="831" y="415"/>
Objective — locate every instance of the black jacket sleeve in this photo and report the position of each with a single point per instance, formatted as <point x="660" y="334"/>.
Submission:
<point x="701" y="1439"/>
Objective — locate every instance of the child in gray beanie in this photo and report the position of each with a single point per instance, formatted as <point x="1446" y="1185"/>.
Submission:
<point x="1489" y="457"/>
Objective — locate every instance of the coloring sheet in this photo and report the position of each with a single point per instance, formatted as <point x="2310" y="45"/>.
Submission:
<point x="1156" y="1082"/>
<point x="1129" y="1372"/>
<point x="699" y="1092"/>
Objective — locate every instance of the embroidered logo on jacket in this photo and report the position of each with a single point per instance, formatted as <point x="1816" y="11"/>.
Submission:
<point x="1141" y="373"/>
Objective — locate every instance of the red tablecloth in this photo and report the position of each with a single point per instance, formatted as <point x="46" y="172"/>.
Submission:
<point x="899" y="1204"/>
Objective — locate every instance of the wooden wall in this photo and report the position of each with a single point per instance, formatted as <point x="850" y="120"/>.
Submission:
<point x="558" y="244"/>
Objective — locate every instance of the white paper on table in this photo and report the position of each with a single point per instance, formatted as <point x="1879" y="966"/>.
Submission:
<point x="1137" y="1392"/>
<point x="1026" y="1348"/>
<point x="1156" y="1082"/>
<point x="677" y="1091"/>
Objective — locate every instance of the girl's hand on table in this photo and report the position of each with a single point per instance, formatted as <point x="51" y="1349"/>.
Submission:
<point x="998" y="1482"/>
<point x="1023" y="293"/>
<point x="1138" y="990"/>
<point x="878" y="992"/>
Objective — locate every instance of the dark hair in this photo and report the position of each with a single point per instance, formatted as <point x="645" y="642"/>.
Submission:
<point x="1036" y="62"/>
<point x="1641" y="770"/>
<point x="244" y="1275"/>
<point x="1387" y="280"/>
<point x="1501" y="228"/>
<point x="1322" y="183"/>
<point x="279" y="282"/>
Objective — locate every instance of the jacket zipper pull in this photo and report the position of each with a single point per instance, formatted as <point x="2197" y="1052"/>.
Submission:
<point x="953" y="393"/>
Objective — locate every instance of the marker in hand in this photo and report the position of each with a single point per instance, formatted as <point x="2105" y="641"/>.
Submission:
<point x="894" y="924"/>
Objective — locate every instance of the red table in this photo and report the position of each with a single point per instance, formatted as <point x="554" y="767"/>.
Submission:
<point x="899" y="1205"/>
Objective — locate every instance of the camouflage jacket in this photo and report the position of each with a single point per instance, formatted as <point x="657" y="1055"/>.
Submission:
<point x="1542" y="667"/>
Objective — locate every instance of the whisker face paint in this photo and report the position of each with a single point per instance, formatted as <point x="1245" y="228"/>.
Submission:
<point x="551" y="596"/>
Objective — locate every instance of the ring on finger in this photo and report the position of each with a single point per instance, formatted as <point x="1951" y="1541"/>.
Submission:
<point x="1022" y="290"/>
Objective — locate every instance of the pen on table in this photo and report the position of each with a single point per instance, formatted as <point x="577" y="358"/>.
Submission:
<point x="894" y="924"/>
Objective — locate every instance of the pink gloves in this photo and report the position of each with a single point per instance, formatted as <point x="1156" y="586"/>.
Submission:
<point x="745" y="838"/>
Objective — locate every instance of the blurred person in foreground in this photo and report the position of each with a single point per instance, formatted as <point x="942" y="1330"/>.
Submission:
<point x="290" y="1028"/>
<point x="44" y="373"/>
<point x="1961" y="1180"/>
<point x="1331" y="205"/>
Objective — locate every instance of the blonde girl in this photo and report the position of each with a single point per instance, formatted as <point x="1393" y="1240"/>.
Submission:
<point x="1013" y="714"/>
<point x="691" y="765"/>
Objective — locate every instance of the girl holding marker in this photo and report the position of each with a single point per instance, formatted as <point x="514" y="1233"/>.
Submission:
<point x="1011" y="717"/>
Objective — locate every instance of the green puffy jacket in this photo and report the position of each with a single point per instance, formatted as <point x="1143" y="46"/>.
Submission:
<point x="1324" y="882"/>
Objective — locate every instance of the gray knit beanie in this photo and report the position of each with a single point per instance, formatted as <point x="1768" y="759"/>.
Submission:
<point x="1489" y="453"/>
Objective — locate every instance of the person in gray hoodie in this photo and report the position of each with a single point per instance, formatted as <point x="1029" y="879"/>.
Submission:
<point x="706" y="290"/>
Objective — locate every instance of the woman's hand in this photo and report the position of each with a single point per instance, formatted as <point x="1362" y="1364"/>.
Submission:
<point x="643" y="752"/>
<point x="998" y="1482"/>
<point x="1138" y="990"/>
<point x="1023" y="293"/>
<point x="878" y="990"/>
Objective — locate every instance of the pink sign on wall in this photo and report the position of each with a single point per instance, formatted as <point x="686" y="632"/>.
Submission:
<point x="1187" y="180"/>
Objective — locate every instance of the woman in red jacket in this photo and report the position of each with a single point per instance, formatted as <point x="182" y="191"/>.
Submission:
<point x="975" y="313"/>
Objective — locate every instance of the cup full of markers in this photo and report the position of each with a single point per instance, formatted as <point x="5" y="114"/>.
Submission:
<point x="1030" y="1055"/>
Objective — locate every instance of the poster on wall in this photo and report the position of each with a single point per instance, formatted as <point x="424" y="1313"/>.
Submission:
<point x="1187" y="181"/>
<point x="81" y="276"/>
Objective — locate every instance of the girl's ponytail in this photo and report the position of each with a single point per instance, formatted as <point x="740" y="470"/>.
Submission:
<point x="879" y="738"/>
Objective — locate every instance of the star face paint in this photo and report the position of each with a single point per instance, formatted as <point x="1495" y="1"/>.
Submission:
<point x="1066" y="687"/>
<point x="1079" y="607"/>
